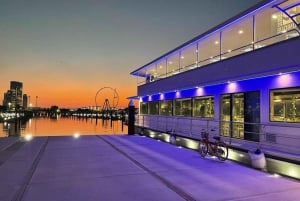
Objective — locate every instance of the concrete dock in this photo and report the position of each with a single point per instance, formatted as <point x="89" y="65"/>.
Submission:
<point x="128" y="168"/>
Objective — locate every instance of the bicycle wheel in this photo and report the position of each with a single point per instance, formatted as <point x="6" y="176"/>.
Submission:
<point x="222" y="151"/>
<point x="203" y="148"/>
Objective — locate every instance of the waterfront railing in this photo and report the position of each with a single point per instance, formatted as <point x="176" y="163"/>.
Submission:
<point x="269" y="136"/>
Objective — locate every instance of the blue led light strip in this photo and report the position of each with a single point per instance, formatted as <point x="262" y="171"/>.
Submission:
<point x="220" y="83"/>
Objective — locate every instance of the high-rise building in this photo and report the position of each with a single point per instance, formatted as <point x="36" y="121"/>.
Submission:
<point x="13" y="96"/>
<point x="25" y="101"/>
<point x="7" y="99"/>
<point x="16" y="89"/>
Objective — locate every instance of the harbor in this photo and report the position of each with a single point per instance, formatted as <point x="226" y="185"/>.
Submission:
<point x="209" y="117"/>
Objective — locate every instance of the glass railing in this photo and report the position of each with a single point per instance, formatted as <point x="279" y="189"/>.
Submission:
<point x="228" y="54"/>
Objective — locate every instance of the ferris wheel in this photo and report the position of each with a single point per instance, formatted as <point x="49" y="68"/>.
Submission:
<point x="108" y="97"/>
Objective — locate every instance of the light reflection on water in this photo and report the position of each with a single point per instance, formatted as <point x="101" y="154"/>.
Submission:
<point x="63" y="127"/>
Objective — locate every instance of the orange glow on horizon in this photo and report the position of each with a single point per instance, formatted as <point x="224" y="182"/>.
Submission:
<point x="76" y="98"/>
<point x="67" y="93"/>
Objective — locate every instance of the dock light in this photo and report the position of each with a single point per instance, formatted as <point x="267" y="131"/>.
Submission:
<point x="76" y="135"/>
<point x="274" y="175"/>
<point x="28" y="137"/>
<point x="191" y="144"/>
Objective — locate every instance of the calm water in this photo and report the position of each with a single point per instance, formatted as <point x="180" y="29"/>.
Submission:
<point x="62" y="127"/>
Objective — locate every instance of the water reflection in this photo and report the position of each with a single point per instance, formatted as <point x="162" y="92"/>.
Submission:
<point x="13" y="128"/>
<point x="62" y="127"/>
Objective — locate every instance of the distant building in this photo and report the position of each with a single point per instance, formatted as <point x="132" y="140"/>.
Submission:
<point x="7" y="99"/>
<point x="13" y="96"/>
<point x="25" y="101"/>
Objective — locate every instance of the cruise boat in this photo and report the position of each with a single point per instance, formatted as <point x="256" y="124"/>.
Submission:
<point x="239" y="80"/>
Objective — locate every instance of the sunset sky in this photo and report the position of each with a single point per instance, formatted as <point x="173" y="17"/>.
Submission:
<point x="64" y="51"/>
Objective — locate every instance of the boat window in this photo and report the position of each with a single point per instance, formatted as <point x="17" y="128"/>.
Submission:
<point x="237" y="39"/>
<point x="166" y="107"/>
<point x="173" y="64"/>
<point x="189" y="58"/>
<point x="209" y="50"/>
<point x="143" y="107"/>
<point x="285" y="105"/>
<point x="203" y="107"/>
<point x="183" y="107"/>
<point x="153" y="107"/>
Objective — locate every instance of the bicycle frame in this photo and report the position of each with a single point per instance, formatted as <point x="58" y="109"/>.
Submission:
<point x="211" y="145"/>
<point x="217" y="148"/>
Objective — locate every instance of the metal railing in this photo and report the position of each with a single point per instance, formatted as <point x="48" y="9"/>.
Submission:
<point x="268" y="136"/>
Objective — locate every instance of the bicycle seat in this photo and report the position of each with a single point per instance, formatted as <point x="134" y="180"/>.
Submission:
<point x="217" y="138"/>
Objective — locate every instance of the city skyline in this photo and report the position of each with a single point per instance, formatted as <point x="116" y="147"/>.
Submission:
<point x="65" y="52"/>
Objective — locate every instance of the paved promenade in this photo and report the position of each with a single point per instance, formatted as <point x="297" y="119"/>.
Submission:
<point x="128" y="168"/>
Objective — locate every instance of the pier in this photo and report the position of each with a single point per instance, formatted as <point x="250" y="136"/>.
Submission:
<point x="127" y="168"/>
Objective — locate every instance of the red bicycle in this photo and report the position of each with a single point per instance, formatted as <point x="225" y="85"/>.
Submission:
<point x="217" y="148"/>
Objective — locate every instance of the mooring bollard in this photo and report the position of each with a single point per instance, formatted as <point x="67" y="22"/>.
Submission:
<point x="123" y="120"/>
<point x="131" y="114"/>
<point x="258" y="159"/>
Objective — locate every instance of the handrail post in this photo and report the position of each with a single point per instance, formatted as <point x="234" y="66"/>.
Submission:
<point x="176" y="123"/>
<point x="190" y="126"/>
<point x="166" y="126"/>
<point x="207" y="125"/>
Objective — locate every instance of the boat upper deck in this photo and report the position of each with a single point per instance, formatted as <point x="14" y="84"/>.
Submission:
<point x="262" y="25"/>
